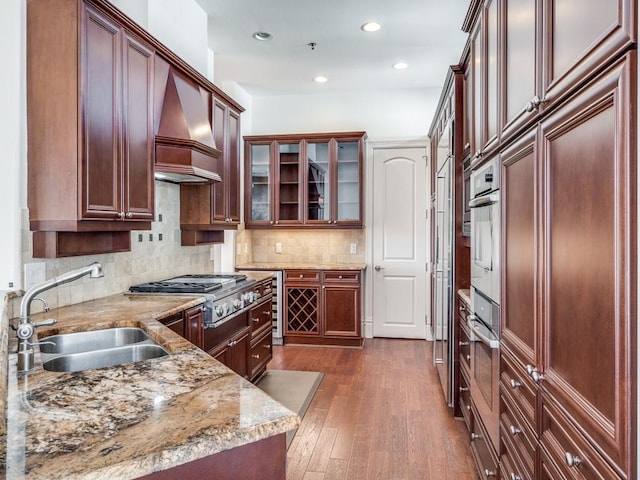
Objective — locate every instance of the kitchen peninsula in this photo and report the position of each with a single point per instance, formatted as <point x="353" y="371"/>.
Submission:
<point x="180" y="415"/>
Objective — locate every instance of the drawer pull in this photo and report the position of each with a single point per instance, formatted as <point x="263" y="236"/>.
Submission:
<point x="463" y="344"/>
<point x="515" y="383"/>
<point x="340" y="277"/>
<point x="256" y="320"/>
<point x="469" y="407"/>
<point x="514" y="430"/>
<point x="232" y="344"/>
<point x="572" y="460"/>
<point x="268" y="347"/>
<point x="489" y="473"/>
<point x="463" y="389"/>
<point x="301" y="276"/>
<point x="266" y="312"/>
<point x="534" y="373"/>
<point x="468" y="358"/>
<point x="462" y="308"/>
<point x="256" y="356"/>
<point x="515" y="477"/>
<point x="475" y="436"/>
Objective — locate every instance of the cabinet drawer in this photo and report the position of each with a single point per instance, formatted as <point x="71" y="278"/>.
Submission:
<point x="511" y="470"/>
<point x="302" y="276"/>
<point x="564" y="447"/>
<point x="519" y="385"/>
<point x="481" y="450"/>
<point x="464" y="398"/>
<point x="260" y="353"/>
<point x="516" y="435"/>
<point x="341" y="276"/>
<point x="260" y="317"/>
<point x="464" y="346"/>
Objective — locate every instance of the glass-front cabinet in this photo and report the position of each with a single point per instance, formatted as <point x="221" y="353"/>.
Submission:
<point x="311" y="180"/>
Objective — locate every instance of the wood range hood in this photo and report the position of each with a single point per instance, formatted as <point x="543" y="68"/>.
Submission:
<point x="185" y="148"/>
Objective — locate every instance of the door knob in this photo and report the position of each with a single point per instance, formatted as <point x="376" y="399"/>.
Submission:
<point x="377" y="268"/>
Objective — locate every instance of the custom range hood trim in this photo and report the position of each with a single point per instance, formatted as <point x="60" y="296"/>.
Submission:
<point x="185" y="148"/>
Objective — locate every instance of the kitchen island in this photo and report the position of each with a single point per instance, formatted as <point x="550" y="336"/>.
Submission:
<point x="178" y="415"/>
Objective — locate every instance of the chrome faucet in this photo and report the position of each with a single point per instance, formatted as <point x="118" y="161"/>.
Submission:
<point x="26" y="327"/>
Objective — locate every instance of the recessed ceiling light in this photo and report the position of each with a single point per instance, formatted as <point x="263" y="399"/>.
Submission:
<point x="371" y="27"/>
<point x="320" y="79"/>
<point x="400" y="65"/>
<point x="262" y="36"/>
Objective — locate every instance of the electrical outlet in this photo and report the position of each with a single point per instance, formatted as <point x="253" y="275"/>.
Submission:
<point x="34" y="273"/>
<point x="354" y="248"/>
<point x="278" y="247"/>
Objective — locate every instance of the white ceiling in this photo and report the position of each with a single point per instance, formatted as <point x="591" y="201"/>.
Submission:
<point x="425" y="34"/>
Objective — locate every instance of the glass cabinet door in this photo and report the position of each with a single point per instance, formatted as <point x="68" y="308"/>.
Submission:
<point x="348" y="182"/>
<point x="318" y="185"/>
<point x="289" y="185"/>
<point x="260" y="183"/>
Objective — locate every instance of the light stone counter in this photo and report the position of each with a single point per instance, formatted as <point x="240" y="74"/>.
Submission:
<point x="301" y="266"/>
<point x="134" y="419"/>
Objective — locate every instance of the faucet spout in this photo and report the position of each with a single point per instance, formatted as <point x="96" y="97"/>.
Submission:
<point x="26" y="327"/>
<point x="94" y="271"/>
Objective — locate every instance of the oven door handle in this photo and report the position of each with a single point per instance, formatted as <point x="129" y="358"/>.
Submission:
<point x="484" y="200"/>
<point x="471" y="320"/>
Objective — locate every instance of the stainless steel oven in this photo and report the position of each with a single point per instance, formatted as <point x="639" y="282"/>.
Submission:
<point x="484" y="322"/>
<point x="485" y="230"/>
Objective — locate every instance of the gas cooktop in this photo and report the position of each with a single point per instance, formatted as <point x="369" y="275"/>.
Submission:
<point x="199" y="283"/>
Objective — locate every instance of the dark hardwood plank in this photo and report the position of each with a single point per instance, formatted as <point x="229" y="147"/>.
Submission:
<point x="378" y="414"/>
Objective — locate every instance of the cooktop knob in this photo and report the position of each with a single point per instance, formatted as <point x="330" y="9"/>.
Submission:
<point x="237" y="303"/>
<point x="219" y="310"/>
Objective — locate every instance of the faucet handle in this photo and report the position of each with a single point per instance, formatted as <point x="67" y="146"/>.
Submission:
<point x="45" y="323"/>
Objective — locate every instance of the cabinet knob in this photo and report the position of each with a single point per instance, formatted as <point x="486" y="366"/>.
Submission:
<point x="463" y="344"/>
<point x="462" y="308"/>
<point x="515" y="383"/>
<point x="489" y="473"/>
<point x="129" y="215"/>
<point x="271" y="222"/>
<point x="515" y="477"/>
<point x="340" y="277"/>
<point x="475" y="436"/>
<point x="514" y="430"/>
<point x="301" y="276"/>
<point x="534" y="373"/>
<point x="534" y="103"/>
<point x="266" y="312"/>
<point x="256" y="320"/>
<point x="256" y="356"/>
<point x="120" y="215"/>
<point x="267" y="346"/>
<point x="572" y="460"/>
<point x="468" y="358"/>
<point x="463" y="389"/>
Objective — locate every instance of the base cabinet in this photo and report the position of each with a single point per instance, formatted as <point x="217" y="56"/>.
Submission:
<point x="187" y="324"/>
<point x="322" y="307"/>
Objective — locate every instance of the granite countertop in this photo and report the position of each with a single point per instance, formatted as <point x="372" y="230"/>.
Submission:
<point x="134" y="419"/>
<point x="301" y="266"/>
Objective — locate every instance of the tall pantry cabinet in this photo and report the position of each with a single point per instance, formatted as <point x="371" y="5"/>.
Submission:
<point x="563" y="75"/>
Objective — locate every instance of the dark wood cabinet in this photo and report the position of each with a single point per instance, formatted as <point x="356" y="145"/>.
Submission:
<point x="322" y="307"/>
<point x="188" y="324"/>
<point x="90" y="123"/>
<point x="206" y="210"/>
<point x="304" y="181"/>
<point x="568" y="313"/>
<point x="229" y="343"/>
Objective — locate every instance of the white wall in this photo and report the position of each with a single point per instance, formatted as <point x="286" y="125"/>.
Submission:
<point x="384" y="115"/>
<point x="12" y="139"/>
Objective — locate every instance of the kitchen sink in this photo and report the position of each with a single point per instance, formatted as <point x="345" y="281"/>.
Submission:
<point x="106" y="357"/>
<point x="73" y="352"/>
<point x="92" y="340"/>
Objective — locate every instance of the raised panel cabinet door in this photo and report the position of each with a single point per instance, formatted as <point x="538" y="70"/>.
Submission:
<point x="137" y="130"/>
<point x="590" y="257"/>
<point x="478" y="70"/>
<point x="519" y="178"/>
<point x="341" y="310"/>
<point x="193" y="320"/>
<point x="520" y="65"/>
<point x="582" y="35"/>
<point x="220" y="131"/>
<point x="238" y="353"/>
<point x="491" y="57"/>
<point x="233" y="167"/>
<point x="100" y="116"/>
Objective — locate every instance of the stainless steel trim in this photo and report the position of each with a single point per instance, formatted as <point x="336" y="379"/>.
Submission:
<point x="484" y="200"/>
<point x="483" y="338"/>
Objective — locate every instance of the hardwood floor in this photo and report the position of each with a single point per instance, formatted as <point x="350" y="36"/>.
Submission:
<point x="379" y="414"/>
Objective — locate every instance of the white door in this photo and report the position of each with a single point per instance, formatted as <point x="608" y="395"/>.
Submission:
<point x="399" y="242"/>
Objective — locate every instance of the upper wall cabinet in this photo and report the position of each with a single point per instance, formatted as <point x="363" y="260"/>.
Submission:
<point x="527" y="55"/>
<point x="312" y="180"/>
<point x="90" y="130"/>
<point x="206" y="210"/>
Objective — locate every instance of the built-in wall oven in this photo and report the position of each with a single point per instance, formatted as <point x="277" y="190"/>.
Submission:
<point x="484" y="322"/>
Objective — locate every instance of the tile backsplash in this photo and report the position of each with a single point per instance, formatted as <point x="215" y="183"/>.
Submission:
<point x="155" y="254"/>
<point x="307" y="246"/>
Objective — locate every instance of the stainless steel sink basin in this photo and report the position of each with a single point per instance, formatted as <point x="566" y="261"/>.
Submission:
<point x="105" y="357"/>
<point x="92" y="340"/>
<point x="73" y="352"/>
